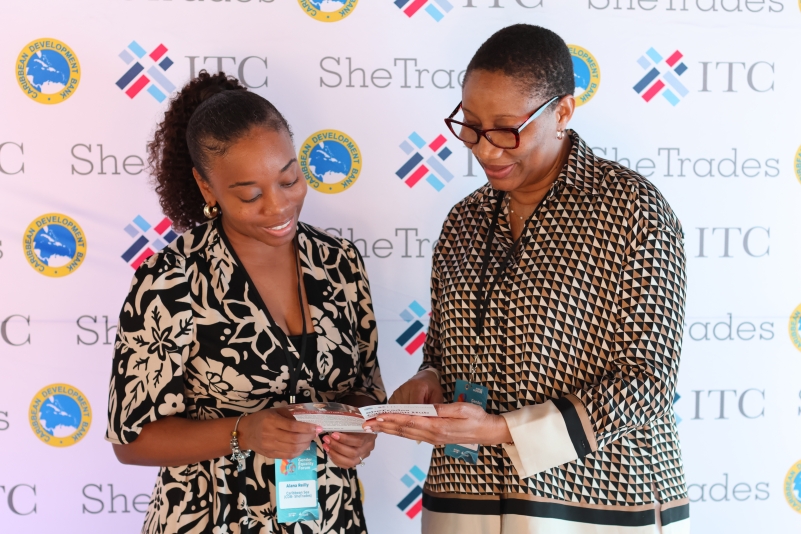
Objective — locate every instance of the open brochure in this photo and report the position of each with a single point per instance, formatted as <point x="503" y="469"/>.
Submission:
<point x="336" y="417"/>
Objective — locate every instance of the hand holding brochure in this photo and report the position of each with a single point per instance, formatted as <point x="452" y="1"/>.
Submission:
<point x="336" y="417"/>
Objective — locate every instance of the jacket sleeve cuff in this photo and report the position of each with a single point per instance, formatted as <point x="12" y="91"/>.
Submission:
<point x="549" y="434"/>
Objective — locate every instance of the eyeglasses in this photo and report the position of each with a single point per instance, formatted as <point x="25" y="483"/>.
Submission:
<point x="500" y="137"/>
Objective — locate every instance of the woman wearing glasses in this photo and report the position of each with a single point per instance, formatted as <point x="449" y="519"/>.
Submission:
<point x="557" y="310"/>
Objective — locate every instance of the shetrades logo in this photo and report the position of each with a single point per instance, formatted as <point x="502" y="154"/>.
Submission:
<point x="133" y="81"/>
<point x="435" y="8"/>
<point x="149" y="239"/>
<point x="54" y="245"/>
<point x="328" y="10"/>
<point x="415" y="335"/>
<point x="330" y="161"/>
<point x="415" y="170"/>
<point x="586" y="72"/>
<point x="660" y="71"/>
<point x="412" y="504"/>
<point x="60" y="415"/>
<point x="48" y="71"/>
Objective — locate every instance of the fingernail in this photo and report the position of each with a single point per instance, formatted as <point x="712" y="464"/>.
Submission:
<point x="335" y="435"/>
<point x="319" y="430"/>
<point x="379" y="420"/>
<point x="325" y="439"/>
<point x="368" y="429"/>
<point x="326" y="448"/>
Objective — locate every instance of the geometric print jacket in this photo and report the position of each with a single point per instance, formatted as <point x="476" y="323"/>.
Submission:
<point x="579" y="350"/>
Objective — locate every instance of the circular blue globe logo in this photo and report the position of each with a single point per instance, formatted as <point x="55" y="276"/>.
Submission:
<point x="581" y="73"/>
<point x="60" y="415"/>
<point x="48" y="71"/>
<point x="586" y="73"/>
<point x="328" y="10"/>
<point x="792" y="487"/>
<point x="54" y="245"/>
<point x="330" y="161"/>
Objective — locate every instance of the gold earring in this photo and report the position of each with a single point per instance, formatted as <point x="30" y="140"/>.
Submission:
<point x="210" y="211"/>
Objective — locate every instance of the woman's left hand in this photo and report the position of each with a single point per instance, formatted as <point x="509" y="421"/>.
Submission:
<point x="348" y="450"/>
<point x="459" y="422"/>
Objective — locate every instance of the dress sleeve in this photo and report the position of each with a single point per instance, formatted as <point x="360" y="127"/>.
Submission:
<point x="640" y="384"/>
<point x="154" y="337"/>
<point x="432" y="350"/>
<point x="368" y="381"/>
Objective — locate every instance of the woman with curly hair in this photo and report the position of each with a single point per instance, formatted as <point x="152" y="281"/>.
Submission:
<point x="246" y="312"/>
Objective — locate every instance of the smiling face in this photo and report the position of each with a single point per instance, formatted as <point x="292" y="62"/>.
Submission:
<point x="258" y="186"/>
<point x="495" y="100"/>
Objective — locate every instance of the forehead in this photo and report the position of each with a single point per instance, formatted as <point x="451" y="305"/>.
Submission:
<point x="496" y="93"/>
<point x="260" y="152"/>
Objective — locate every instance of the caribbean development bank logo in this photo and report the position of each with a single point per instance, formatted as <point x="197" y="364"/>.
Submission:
<point x="795" y="327"/>
<point x="54" y="245"/>
<point x="435" y="8"/>
<point x="412" y="504"/>
<point x="586" y="72"/>
<point x="328" y="10"/>
<point x="662" y="70"/>
<point x="133" y="81"/>
<point x="60" y="415"/>
<point x="149" y="239"/>
<point x="415" y="335"/>
<point x="48" y="71"/>
<point x="414" y="169"/>
<point x="792" y="487"/>
<point x="330" y="161"/>
<point x="797" y="162"/>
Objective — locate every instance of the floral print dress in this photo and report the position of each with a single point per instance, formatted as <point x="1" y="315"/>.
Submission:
<point x="196" y="341"/>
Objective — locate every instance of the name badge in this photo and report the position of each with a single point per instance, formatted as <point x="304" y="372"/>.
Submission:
<point x="296" y="487"/>
<point x="474" y="394"/>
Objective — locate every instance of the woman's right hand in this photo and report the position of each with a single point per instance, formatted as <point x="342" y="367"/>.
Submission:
<point x="274" y="433"/>
<point x="422" y="388"/>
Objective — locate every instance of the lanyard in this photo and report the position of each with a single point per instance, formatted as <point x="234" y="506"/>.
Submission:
<point x="484" y="298"/>
<point x="294" y="371"/>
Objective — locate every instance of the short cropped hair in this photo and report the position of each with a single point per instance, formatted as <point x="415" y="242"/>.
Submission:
<point x="534" y="56"/>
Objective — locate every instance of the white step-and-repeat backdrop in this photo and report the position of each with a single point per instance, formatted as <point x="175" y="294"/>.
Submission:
<point x="701" y="96"/>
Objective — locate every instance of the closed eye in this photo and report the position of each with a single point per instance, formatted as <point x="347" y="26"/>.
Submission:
<point x="291" y="184"/>
<point x="254" y="199"/>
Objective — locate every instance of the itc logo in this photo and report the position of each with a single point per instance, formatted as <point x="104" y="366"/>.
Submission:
<point x="150" y="239"/>
<point x="415" y="335"/>
<point x="412" y="504"/>
<point x="435" y="8"/>
<point x="414" y="169"/>
<point x="653" y="83"/>
<point x="157" y="84"/>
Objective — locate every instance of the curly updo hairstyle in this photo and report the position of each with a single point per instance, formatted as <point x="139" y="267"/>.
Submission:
<point x="534" y="56"/>
<point x="203" y="120"/>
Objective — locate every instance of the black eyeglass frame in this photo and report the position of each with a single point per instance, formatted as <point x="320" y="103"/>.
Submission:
<point x="484" y="133"/>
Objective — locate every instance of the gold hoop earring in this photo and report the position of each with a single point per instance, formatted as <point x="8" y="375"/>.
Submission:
<point x="210" y="211"/>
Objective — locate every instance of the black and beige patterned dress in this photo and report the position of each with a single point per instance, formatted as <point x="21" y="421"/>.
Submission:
<point x="195" y="341"/>
<point x="580" y="352"/>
